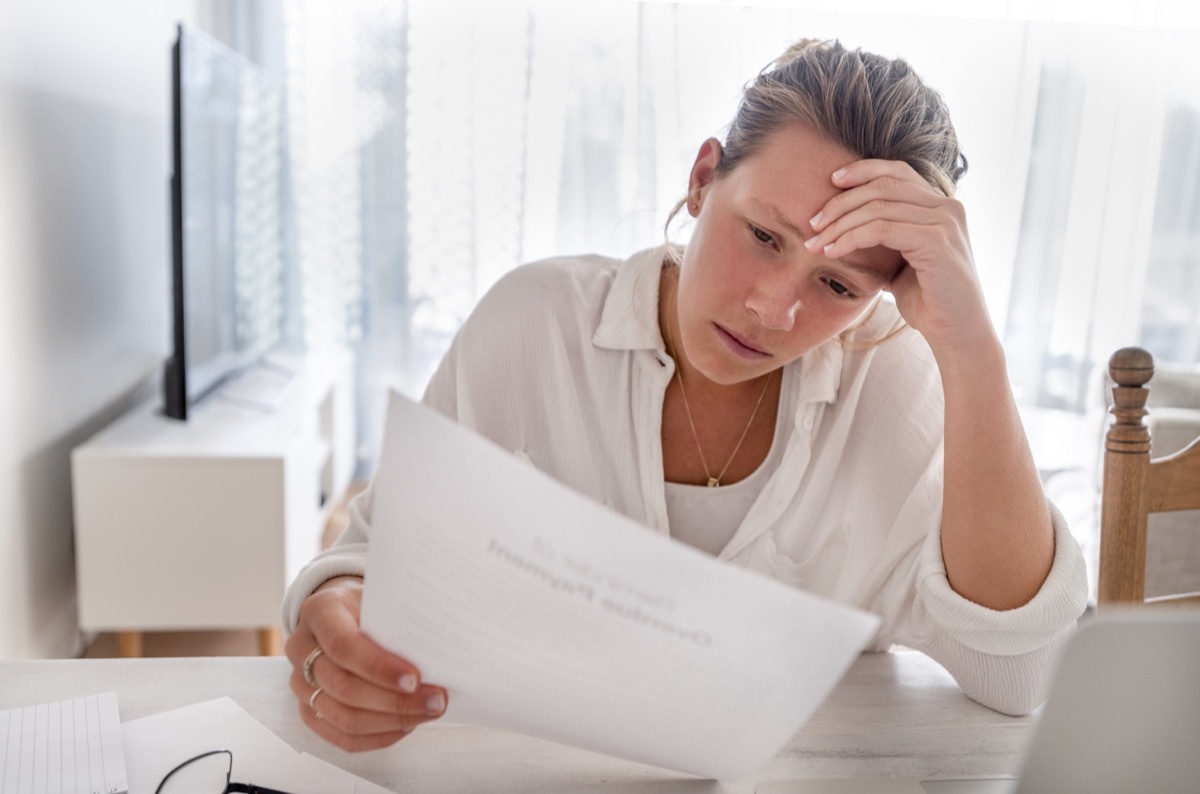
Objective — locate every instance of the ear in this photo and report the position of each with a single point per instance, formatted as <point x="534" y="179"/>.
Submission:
<point x="704" y="171"/>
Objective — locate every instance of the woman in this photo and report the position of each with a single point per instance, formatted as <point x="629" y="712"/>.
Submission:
<point x="755" y="396"/>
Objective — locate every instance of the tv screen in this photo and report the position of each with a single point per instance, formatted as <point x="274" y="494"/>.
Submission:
<point x="228" y="212"/>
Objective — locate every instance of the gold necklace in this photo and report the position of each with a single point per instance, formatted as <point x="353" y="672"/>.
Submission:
<point x="713" y="482"/>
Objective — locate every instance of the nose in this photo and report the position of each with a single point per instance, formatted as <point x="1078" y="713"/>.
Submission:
<point x="774" y="304"/>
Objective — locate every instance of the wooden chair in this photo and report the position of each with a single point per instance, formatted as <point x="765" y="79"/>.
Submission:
<point x="1135" y="486"/>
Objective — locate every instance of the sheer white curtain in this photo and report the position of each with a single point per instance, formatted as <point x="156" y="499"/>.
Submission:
<point x="439" y="143"/>
<point x="1109" y="243"/>
<point x="1170" y="318"/>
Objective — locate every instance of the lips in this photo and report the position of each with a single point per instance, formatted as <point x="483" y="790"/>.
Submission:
<point x="738" y="345"/>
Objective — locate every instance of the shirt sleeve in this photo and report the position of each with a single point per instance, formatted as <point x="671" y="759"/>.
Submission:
<point x="1001" y="659"/>
<point x="347" y="557"/>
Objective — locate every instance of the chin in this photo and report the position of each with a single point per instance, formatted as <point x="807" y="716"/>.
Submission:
<point x="732" y="375"/>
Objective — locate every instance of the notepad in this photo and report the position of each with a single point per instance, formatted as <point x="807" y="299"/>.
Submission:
<point x="68" y="746"/>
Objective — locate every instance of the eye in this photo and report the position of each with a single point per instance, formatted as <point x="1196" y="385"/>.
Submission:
<point x="762" y="236"/>
<point x="840" y="289"/>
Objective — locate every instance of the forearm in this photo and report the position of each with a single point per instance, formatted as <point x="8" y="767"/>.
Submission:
<point x="997" y="536"/>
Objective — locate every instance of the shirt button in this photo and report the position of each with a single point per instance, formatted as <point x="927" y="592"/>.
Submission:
<point x="808" y="423"/>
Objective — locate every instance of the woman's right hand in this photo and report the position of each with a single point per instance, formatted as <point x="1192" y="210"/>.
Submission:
<point x="367" y="697"/>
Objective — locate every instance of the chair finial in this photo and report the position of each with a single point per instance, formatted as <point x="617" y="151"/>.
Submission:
<point x="1131" y="369"/>
<point x="1131" y="366"/>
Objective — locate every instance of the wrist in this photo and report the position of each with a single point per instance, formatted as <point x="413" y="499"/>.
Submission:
<point x="971" y="356"/>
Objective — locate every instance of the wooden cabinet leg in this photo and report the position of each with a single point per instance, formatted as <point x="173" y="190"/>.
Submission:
<point x="129" y="644"/>
<point x="270" y="642"/>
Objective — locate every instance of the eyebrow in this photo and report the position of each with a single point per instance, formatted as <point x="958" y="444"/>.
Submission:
<point x="781" y="219"/>
<point x="869" y="273"/>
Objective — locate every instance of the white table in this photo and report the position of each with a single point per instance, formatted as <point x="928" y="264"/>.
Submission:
<point x="894" y="714"/>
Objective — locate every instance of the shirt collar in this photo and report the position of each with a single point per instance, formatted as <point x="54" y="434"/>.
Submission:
<point x="629" y="321"/>
<point x="820" y="371"/>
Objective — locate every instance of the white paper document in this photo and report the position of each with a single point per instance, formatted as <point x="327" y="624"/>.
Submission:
<point x="306" y="774"/>
<point x="158" y="743"/>
<point x="545" y="613"/>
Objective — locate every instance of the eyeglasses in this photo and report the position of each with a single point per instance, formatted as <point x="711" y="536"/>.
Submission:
<point x="208" y="777"/>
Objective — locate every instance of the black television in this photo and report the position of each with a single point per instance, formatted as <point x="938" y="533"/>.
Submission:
<point x="228" y="210"/>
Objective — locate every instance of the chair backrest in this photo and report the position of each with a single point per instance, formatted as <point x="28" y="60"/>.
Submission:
<point x="1135" y="486"/>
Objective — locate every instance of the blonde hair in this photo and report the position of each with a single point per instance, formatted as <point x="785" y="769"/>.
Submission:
<point x="874" y="107"/>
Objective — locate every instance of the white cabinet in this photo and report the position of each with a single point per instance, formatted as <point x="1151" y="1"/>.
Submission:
<point x="202" y="524"/>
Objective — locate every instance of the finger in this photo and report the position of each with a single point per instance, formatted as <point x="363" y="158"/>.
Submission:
<point x="348" y="688"/>
<point x="884" y="191"/>
<point x="884" y="215"/>
<point x="905" y="237"/>
<point x="299" y="645"/>
<point x="861" y="172"/>
<point x="300" y="649"/>
<point x="362" y="657"/>
<point x="358" y="721"/>
<point x="332" y="617"/>
<point x="302" y="643"/>
<point x="350" y="742"/>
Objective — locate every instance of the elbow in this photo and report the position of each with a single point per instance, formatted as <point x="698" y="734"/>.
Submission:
<point x="1013" y="684"/>
<point x="1019" y="699"/>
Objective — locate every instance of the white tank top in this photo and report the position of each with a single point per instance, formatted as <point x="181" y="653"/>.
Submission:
<point x="707" y="518"/>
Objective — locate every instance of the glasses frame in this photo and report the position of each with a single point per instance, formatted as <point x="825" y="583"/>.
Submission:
<point x="231" y="787"/>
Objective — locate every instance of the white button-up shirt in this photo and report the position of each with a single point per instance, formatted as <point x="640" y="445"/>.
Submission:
<point x="562" y="362"/>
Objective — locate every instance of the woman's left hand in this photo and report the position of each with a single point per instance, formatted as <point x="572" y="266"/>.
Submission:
<point x="886" y="203"/>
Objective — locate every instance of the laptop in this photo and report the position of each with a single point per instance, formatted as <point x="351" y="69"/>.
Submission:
<point x="1123" y="715"/>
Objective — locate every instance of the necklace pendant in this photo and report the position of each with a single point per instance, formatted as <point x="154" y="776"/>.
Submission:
<point x="713" y="482"/>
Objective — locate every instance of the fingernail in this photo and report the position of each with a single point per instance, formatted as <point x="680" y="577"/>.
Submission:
<point x="436" y="704"/>
<point x="408" y="683"/>
<point x="816" y="220"/>
<point x="810" y="243"/>
<point x="838" y="174"/>
<point x="827" y="249"/>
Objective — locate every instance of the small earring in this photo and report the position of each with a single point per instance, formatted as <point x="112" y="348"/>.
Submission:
<point x="691" y="207"/>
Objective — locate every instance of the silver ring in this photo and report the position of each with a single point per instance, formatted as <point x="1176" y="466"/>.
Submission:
<point x="312" y="700"/>
<point x="308" y="666"/>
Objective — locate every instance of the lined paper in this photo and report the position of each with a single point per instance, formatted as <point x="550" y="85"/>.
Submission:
<point x="65" y="747"/>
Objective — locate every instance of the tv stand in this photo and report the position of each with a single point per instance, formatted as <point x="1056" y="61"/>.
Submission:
<point x="202" y="524"/>
<point x="263" y="385"/>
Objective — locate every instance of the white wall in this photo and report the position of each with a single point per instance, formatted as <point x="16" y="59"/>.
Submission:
<point x="84" y="155"/>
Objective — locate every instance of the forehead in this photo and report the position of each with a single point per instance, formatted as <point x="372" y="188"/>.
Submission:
<point x="790" y="178"/>
<point x="792" y="170"/>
